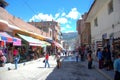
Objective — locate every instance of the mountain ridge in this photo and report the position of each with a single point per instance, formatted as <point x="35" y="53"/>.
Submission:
<point x="69" y="36"/>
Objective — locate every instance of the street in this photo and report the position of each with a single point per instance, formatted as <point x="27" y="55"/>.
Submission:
<point x="70" y="70"/>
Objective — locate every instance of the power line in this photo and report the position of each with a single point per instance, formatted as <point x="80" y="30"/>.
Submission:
<point x="29" y="6"/>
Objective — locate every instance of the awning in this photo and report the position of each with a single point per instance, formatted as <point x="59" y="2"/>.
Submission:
<point x="49" y="40"/>
<point x="6" y="37"/>
<point x="16" y="41"/>
<point x="46" y="43"/>
<point x="58" y="45"/>
<point x="32" y="41"/>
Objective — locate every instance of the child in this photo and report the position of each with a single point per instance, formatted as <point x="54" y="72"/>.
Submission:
<point x="89" y="57"/>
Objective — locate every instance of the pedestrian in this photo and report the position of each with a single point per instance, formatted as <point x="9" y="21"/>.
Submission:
<point x="2" y="59"/>
<point x="89" y="57"/>
<point x="10" y="55"/>
<point x="117" y="68"/>
<point x="107" y="58"/>
<point x="82" y="53"/>
<point x="57" y="56"/>
<point x="65" y="53"/>
<point x="100" y="58"/>
<point x="76" y="55"/>
<point x="16" y="56"/>
<point x="47" y="60"/>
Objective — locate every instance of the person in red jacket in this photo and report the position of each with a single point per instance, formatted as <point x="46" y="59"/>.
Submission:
<point x="47" y="60"/>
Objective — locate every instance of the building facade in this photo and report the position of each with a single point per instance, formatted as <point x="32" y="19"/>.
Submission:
<point x="104" y="19"/>
<point x="51" y="27"/>
<point x="84" y="32"/>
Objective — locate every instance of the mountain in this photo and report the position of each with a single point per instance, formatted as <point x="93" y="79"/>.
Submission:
<point x="70" y="40"/>
<point x="69" y="36"/>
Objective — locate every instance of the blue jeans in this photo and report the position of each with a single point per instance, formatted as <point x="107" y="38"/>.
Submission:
<point x="77" y="58"/>
<point x="16" y="60"/>
<point x="47" y="63"/>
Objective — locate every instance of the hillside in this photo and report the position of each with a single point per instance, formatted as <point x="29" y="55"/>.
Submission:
<point x="70" y="36"/>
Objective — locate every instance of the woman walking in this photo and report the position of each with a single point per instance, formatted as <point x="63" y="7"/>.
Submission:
<point x="47" y="60"/>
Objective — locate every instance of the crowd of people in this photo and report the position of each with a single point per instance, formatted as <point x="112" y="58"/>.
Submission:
<point x="106" y="59"/>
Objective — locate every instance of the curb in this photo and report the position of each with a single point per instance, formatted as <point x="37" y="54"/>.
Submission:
<point x="104" y="74"/>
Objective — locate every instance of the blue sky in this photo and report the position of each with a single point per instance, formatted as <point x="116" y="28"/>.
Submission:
<point x="66" y="12"/>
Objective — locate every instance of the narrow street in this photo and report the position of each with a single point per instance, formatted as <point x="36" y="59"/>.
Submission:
<point x="72" y="70"/>
<point x="35" y="70"/>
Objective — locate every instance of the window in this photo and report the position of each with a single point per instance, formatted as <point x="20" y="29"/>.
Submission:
<point x="110" y="7"/>
<point x="95" y="22"/>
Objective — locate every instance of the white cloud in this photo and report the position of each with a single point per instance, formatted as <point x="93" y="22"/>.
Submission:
<point x="57" y="15"/>
<point x="68" y="26"/>
<point x="73" y="14"/>
<point x="62" y="20"/>
<point x="41" y="16"/>
<point x="63" y="14"/>
<point x="63" y="29"/>
<point x="69" y="31"/>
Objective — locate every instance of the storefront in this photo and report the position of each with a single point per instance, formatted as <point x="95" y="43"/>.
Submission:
<point x="55" y="46"/>
<point x="34" y="44"/>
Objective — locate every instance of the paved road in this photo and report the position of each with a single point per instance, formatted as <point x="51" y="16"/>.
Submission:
<point x="70" y="70"/>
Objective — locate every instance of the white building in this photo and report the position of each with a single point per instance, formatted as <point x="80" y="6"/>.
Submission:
<point x="104" y="18"/>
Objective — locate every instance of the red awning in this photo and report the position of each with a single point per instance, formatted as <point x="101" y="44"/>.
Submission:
<point x="58" y="45"/>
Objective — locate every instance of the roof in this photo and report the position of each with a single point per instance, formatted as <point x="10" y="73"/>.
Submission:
<point x="18" y="23"/>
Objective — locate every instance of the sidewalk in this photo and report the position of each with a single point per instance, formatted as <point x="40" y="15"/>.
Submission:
<point x="12" y="66"/>
<point x="107" y="74"/>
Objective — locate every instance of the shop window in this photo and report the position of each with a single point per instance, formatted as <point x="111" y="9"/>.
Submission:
<point x="110" y="7"/>
<point x="95" y="22"/>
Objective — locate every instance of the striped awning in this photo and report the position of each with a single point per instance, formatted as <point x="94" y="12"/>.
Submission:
<point x="6" y="37"/>
<point x="16" y="41"/>
<point x="58" y="45"/>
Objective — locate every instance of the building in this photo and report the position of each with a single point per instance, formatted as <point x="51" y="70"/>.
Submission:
<point x="84" y="32"/>
<point x="51" y="27"/>
<point x="104" y="19"/>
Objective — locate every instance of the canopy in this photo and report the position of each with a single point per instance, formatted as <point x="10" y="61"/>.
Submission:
<point x="46" y="43"/>
<point x="32" y="41"/>
<point x="6" y="37"/>
<point x="58" y="45"/>
<point x="16" y="41"/>
<point x="49" y="40"/>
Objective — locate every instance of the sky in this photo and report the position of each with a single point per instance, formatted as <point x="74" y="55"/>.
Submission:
<point x="66" y="12"/>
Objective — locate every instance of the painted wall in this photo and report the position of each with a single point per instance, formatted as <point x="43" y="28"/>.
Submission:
<point x="106" y="21"/>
